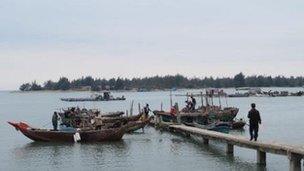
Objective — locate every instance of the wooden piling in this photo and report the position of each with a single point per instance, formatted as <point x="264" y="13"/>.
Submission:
<point x="206" y="141"/>
<point x="294" y="162"/>
<point x="261" y="157"/>
<point x="294" y="153"/>
<point x="229" y="148"/>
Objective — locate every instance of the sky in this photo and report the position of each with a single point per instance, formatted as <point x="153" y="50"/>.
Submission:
<point x="42" y="40"/>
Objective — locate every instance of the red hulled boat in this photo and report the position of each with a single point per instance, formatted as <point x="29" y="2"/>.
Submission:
<point x="45" y="135"/>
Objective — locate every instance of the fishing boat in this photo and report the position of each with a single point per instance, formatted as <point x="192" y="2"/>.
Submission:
<point x="208" y="116"/>
<point x="239" y="95"/>
<point x="214" y="114"/>
<point x="95" y="97"/>
<point x="79" y="118"/>
<point x="238" y="124"/>
<point x="92" y="119"/>
<point x="136" y="125"/>
<point x="218" y="127"/>
<point x="46" y="135"/>
<point x="113" y="114"/>
<point x="118" y="119"/>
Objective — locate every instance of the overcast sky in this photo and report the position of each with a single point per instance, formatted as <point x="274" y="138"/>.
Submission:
<point x="46" y="39"/>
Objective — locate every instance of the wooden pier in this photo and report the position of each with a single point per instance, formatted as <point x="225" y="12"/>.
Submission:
<point x="294" y="153"/>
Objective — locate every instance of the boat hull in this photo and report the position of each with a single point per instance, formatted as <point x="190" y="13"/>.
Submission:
<point x="136" y="125"/>
<point x="225" y="115"/>
<point x="44" y="135"/>
<point x="119" y="119"/>
<point x="90" y="99"/>
<point x="238" y="124"/>
<point x="221" y="127"/>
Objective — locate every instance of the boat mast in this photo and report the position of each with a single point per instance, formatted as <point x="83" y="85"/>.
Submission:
<point x="212" y="92"/>
<point x="170" y="99"/>
<point x="202" y="99"/>
<point x="131" y="109"/>
<point x="207" y="102"/>
<point x="219" y="96"/>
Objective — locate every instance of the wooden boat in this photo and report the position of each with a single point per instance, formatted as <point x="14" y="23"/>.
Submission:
<point x="91" y="99"/>
<point x="225" y="115"/>
<point x="213" y="114"/>
<point x="123" y="119"/>
<point x="136" y="125"/>
<point x="238" y="124"/>
<point x="219" y="127"/>
<point x="114" y="114"/>
<point x="95" y="97"/>
<point x="44" y="135"/>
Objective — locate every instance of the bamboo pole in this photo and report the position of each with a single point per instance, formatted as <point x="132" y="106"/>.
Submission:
<point x="220" y="103"/>
<point x="131" y="109"/>
<point x="170" y="99"/>
<point x="161" y="106"/>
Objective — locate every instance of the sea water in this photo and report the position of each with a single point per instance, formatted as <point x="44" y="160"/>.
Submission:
<point x="282" y="121"/>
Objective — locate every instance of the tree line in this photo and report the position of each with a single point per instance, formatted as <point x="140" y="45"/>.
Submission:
<point x="165" y="82"/>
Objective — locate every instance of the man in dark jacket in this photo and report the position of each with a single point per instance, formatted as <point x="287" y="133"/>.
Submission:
<point x="254" y="121"/>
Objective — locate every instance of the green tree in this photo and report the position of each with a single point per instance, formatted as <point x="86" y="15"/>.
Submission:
<point x="25" y="87"/>
<point x="49" y="85"/>
<point x="63" y="84"/>
<point x="239" y="80"/>
<point x="35" y="86"/>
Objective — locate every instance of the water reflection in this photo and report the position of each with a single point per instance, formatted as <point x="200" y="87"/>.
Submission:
<point x="175" y="146"/>
<point x="60" y="154"/>
<point x="215" y="151"/>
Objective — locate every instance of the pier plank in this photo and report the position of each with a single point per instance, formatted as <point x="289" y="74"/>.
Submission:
<point x="269" y="147"/>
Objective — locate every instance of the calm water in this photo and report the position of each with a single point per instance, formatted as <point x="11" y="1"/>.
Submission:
<point x="282" y="119"/>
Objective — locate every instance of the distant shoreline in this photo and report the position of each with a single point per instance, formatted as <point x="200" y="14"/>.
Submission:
<point x="163" y="83"/>
<point x="153" y="90"/>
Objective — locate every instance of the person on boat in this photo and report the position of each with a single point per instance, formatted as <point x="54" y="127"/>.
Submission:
<point x="55" y="121"/>
<point x="146" y="111"/>
<point x="254" y="121"/>
<point x="174" y="109"/>
<point x="188" y="105"/>
<point x="193" y="103"/>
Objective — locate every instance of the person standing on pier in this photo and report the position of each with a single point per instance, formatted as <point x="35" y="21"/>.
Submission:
<point x="254" y="121"/>
<point x="55" y="121"/>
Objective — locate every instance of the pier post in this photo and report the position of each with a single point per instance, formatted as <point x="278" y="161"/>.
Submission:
<point x="294" y="162"/>
<point x="261" y="157"/>
<point x="229" y="149"/>
<point x="206" y="141"/>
